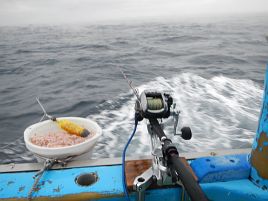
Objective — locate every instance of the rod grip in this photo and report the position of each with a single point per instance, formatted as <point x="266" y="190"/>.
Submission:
<point x="192" y="187"/>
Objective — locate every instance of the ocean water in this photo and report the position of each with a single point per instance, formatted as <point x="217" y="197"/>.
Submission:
<point x="213" y="68"/>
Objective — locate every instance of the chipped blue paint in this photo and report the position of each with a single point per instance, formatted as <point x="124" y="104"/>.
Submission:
<point x="256" y="178"/>
<point x="262" y="128"/>
<point x="61" y="182"/>
<point x="265" y="144"/>
<point x="221" y="168"/>
<point x="168" y="194"/>
<point x="237" y="190"/>
<point x="57" y="183"/>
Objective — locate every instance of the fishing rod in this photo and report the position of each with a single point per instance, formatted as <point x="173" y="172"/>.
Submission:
<point x="129" y="82"/>
<point x="167" y="168"/>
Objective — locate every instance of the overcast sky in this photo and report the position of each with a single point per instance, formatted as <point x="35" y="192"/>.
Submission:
<point x="24" y="12"/>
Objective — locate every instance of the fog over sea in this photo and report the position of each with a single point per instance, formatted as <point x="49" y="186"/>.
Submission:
<point x="214" y="69"/>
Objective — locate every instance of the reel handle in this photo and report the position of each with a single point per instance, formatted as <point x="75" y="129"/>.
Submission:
<point x="186" y="133"/>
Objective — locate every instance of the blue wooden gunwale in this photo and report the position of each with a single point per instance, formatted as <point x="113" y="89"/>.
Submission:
<point x="59" y="184"/>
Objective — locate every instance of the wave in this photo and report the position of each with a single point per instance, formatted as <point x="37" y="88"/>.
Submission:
<point x="222" y="113"/>
<point x="95" y="47"/>
<point x="183" y="38"/>
<point x="219" y="59"/>
<point x="22" y="51"/>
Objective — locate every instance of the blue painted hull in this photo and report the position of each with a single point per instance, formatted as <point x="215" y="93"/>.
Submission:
<point x="61" y="185"/>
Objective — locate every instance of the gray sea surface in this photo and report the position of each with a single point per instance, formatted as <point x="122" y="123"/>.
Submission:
<point x="213" y="68"/>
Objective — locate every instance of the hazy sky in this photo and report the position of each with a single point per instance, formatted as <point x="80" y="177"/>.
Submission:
<point x="20" y="12"/>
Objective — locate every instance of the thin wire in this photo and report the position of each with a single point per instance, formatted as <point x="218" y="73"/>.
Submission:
<point x="123" y="161"/>
<point x="37" y="98"/>
<point x="42" y="118"/>
<point x="45" y="113"/>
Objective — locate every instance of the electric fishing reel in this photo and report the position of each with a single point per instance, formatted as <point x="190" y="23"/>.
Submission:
<point x="167" y="167"/>
<point x="156" y="105"/>
<point x="153" y="104"/>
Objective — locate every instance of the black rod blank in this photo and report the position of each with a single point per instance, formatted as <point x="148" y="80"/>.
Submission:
<point x="177" y="167"/>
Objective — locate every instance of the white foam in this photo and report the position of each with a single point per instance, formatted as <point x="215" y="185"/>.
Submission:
<point x="222" y="113"/>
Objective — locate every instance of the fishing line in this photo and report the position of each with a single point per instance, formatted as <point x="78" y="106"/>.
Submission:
<point x="154" y="103"/>
<point x="136" y="93"/>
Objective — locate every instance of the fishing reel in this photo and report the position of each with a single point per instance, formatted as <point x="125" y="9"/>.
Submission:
<point x="156" y="105"/>
<point x="153" y="104"/>
<point x="167" y="167"/>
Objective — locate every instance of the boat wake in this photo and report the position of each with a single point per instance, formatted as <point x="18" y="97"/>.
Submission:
<point x="222" y="113"/>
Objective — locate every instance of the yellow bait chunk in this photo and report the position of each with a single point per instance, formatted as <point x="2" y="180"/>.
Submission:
<point x="72" y="128"/>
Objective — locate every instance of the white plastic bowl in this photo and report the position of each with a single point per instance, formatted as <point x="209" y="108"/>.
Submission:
<point x="48" y="126"/>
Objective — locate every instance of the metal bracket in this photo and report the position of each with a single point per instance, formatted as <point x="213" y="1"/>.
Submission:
<point x="142" y="182"/>
<point x="158" y="173"/>
<point x="176" y="116"/>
